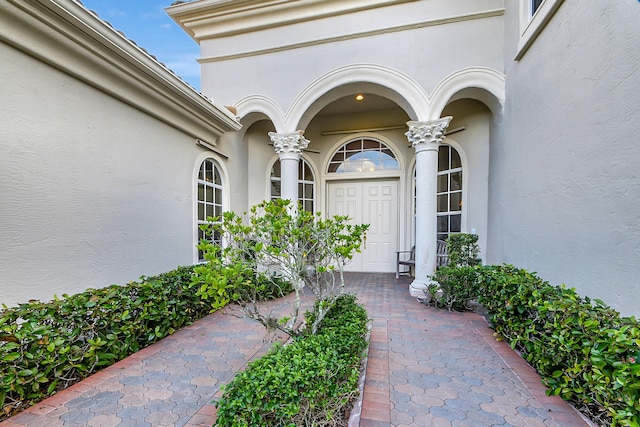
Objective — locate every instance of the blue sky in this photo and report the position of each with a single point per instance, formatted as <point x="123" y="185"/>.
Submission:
<point x="146" y="23"/>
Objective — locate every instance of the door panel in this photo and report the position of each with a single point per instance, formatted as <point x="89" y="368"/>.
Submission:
<point x="380" y="202"/>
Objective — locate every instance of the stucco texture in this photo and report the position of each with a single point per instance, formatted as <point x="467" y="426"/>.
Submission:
<point x="94" y="192"/>
<point x="564" y="180"/>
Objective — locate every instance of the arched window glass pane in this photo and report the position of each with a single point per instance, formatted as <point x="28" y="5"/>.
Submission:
<point x="455" y="159"/>
<point x="449" y="197"/>
<point x="210" y="193"/>
<point x="306" y="184"/>
<point x="363" y="156"/>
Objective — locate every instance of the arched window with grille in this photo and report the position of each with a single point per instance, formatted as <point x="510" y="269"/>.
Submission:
<point x="306" y="184"/>
<point x="210" y="197"/>
<point x="363" y="155"/>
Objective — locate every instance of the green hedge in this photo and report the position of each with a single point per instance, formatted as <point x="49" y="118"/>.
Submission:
<point x="456" y="288"/>
<point x="584" y="351"/>
<point x="311" y="381"/>
<point x="47" y="346"/>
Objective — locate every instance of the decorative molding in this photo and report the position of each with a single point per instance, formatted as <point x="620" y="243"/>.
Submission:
<point x="487" y="79"/>
<point x="262" y="106"/>
<point x="206" y="19"/>
<point x="401" y="89"/>
<point x="451" y="132"/>
<point x="427" y="135"/>
<point x="289" y="145"/>
<point x="353" y="36"/>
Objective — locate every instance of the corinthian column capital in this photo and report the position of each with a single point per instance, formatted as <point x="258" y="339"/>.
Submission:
<point x="427" y="135"/>
<point x="289" y="144"/>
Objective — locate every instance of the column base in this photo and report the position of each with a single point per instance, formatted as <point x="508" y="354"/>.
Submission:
<point x="418" y="288"/>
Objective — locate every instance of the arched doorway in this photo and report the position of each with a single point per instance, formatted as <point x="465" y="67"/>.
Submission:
<point x="363" y="189"/>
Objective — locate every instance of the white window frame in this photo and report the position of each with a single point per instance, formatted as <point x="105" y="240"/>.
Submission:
<point x="448" y="192"/>
<point x="382" y="147"/>
<point x="302" y="181"/>
<point x="463" y="169"/>
<point x="217" y="205"/>
<point x="532" y="24"/>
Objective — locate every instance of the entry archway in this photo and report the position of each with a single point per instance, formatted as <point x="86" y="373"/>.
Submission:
<point x="364" y="188"/>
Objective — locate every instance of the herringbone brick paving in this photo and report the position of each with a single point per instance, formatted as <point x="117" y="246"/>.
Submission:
<point x="425" y="367"/>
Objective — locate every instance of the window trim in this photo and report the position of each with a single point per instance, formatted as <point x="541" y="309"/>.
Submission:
<point x="448" y="192"/>
<point x="312" y="181"/>
<point x="196" y="200"/>
<point x="465" y="193"/>
<point x="382" y="145"/>
<point x="532" y="24"/>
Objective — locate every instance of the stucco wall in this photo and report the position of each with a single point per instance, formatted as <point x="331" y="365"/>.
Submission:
<point x="93" y="192"/>
<point x="427" y="54"/>
<point x="564" y="179"/>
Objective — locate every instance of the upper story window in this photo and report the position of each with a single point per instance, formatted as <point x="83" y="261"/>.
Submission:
<point x="209" y="199"/>
<point x="363" y="155"/>
<point x="306" y="184"/>
<point x="534" y="16"/>
<point x="535" y="4"/>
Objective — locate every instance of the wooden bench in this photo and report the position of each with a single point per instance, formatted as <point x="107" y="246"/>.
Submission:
<point x="401" y="259"/>
<point x="442" y="258"/>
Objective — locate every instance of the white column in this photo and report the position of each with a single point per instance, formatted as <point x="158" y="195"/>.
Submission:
<point x="425" y="138"/>
<point x="289" y="146"/>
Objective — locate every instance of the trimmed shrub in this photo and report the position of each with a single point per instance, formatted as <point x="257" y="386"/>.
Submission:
<point x="584" y="351"/>
<point x="457" y="282"/>
<point x="311" y="381"/>
<point x="456" y="288"/>
<point x="47" y="346"/>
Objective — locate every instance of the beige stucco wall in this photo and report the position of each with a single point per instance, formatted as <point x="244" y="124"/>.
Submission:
<point x="93" y="191"/>
<point x="564" y="177"/>
<point x="280" y="63"/>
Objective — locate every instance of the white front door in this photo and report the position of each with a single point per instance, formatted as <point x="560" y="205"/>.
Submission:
<point x="374" y="203"/>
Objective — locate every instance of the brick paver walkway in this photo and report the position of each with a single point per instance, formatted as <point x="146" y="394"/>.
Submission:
<point x="426" y="367"/>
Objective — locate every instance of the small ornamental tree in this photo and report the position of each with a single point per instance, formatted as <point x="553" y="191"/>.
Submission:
<point x="278" y="244"/>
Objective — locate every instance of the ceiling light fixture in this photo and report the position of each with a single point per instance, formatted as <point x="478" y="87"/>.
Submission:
<point x="359" y="97"/>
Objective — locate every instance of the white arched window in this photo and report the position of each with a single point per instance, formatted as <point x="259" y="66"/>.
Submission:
<point x="209" y="198"/>
<point x="363" y="155"/>
<point x="306" y="184"/>
<point x="449" y="212"/>
<point x="449" y="193"/>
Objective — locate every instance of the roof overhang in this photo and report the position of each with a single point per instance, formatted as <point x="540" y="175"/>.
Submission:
<point x="70" y="38"/>
<point x="205" y="19"/>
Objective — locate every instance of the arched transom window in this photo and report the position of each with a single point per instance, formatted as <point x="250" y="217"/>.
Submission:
<point x="209" y="199"/>
<point x="306" y="184"/>
<point x="449" y="214"/>
<point x="363" y="155"/>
